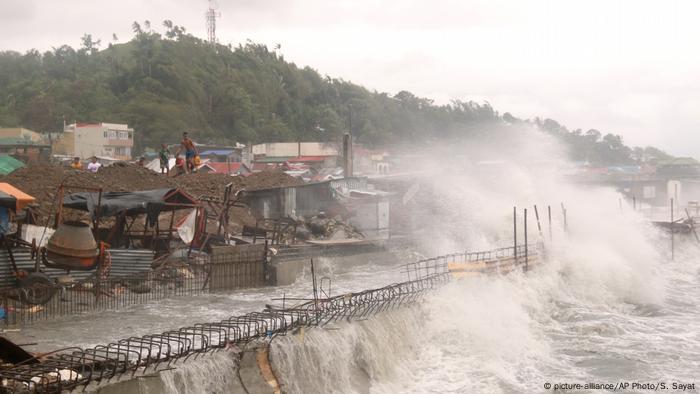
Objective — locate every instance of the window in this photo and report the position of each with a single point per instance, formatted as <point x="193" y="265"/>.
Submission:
<point x="122" y="151"/>
<point x="118" y="134"/>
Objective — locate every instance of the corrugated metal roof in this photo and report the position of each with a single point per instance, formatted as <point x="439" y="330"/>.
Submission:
<point x="302" y="159"/>
<point x="8" y="164"/>
<point x="273" y="159"/>
<point x="124" y="262"/>
<point x="20" y="141"/>
<point x="129" y="261"/>
<point x="263" y="166"/>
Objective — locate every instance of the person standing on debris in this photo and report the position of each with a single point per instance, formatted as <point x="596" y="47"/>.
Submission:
<point x="190" y="152"/>
<point x="179" y="166"/>
<point x="164" y="156"/>
<point x="93" y="166"/>
<point x="141" y="162"/>
<point x="75" y="164"/>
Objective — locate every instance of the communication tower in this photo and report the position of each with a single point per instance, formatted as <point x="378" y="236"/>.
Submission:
<point x="211" y="16"/>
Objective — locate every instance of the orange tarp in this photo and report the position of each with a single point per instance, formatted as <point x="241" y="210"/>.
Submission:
<point x="23" y="199"/>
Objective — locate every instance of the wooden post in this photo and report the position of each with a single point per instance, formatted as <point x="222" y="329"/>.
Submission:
<point x="347" y="155"/>
<point x="59" y="210"/>
<point x="515" y="235"/>
<point x="672" y="234"/>
<point x="525" y="230"/>
<point x="537" y="217"/>
<point x="549" y="218"/>
<point x="96" y="219"/>
<point x="692" y="224"/>
<point x="313" y="279"/>
<point x="563" y="211"/>
<point x="170" y="229"/>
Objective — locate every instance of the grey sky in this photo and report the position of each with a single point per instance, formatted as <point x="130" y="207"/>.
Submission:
<point x="624" y="66"/>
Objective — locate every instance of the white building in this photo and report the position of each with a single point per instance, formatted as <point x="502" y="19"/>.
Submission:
<point x="295" y="149"/>
<point x="107" y="140"/>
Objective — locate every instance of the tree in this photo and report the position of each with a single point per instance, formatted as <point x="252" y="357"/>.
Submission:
<point x="164" y="85"/>
<point x="593" y="135"/>
<point x="89" y="45"/>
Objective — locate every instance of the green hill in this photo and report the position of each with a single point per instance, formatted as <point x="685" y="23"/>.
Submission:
<point x="164" y="84"/>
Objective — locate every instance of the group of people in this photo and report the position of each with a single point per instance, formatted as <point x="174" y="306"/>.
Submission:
<point x="93" y="165"/>
<point x="182" y="166"/>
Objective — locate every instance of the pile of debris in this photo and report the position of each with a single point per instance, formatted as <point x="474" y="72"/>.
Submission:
<point x="43" y="180"/>
<point x="198" y="185"/>
<point x="324" y="227"/>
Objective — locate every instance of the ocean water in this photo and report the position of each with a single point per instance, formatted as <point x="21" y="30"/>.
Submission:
<point x="613" y="312"/>
<point x="566" y="322"/>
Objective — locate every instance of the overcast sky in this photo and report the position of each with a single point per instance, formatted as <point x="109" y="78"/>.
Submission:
<point x="626" y="67"/>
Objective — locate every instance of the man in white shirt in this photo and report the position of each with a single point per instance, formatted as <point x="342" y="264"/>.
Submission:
<point x="93" y="166"/>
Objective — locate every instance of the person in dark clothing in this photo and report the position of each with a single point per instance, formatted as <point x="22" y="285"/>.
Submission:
<point x="164" y="156"/>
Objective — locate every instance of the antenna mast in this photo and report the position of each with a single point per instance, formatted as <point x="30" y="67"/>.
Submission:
<point x="211" y="16"/>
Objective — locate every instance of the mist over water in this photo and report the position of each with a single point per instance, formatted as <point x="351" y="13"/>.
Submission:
<point x="609" y="305"/>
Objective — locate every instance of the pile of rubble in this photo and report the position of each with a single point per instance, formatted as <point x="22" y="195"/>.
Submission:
<point x="323" y="227"/>
<point x="43" y="181"/>
<point x="214" y="184"/>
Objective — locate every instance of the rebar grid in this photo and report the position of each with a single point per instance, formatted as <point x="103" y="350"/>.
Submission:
<point x="70" y="368"/>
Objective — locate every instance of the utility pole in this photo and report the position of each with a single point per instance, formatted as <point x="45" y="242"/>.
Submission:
<point x="347" y="155"/>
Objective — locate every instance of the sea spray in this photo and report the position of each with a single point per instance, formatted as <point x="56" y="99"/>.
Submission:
<point x="566" y="319"/>
<point x="208" y="374"/>
<point x="348" y="357"/>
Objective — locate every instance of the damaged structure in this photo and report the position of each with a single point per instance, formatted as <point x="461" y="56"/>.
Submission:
<point x="106" y="246"/>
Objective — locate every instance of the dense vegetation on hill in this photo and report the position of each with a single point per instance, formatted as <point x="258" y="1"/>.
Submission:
<point x="162" y="84"/>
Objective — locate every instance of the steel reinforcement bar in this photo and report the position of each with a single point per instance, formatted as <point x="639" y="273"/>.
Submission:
<point x="491" y="261"/>
<point x="70" y="368"/>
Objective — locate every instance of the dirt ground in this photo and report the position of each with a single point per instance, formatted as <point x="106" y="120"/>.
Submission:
<point x="43" y="180"/>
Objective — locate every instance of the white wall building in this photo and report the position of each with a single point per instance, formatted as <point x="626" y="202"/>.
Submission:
<point x="294" y="149"/>
<point x="97" y="139"/>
